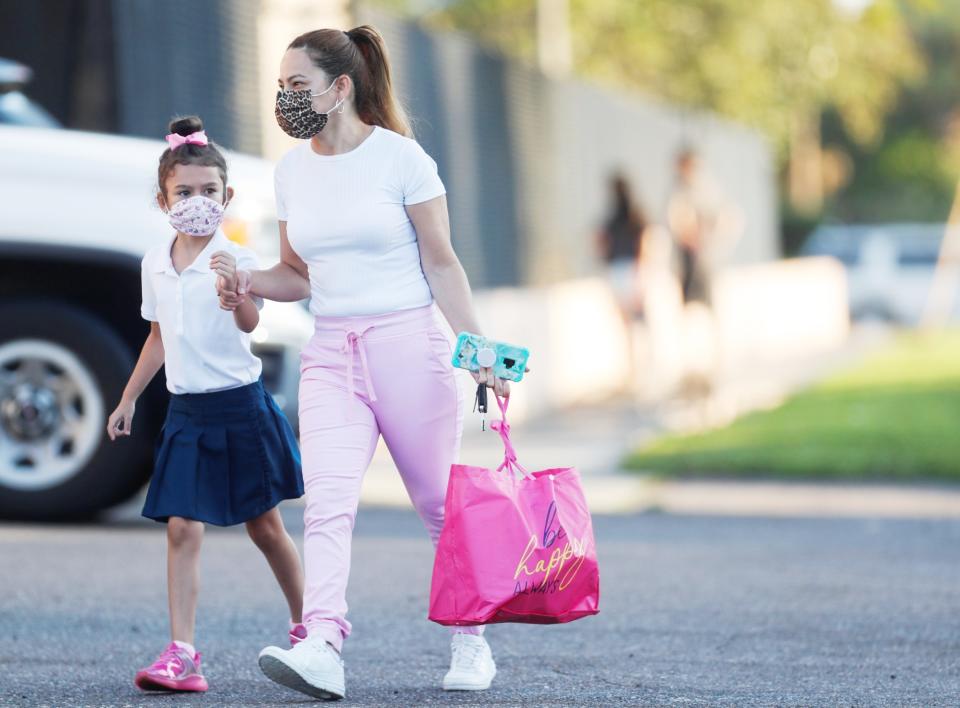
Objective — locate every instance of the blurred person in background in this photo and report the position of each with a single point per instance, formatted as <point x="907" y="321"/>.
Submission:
<point x="619" y="242"/>
<point x="704" y="226"/>
<point x="693" y="215"/>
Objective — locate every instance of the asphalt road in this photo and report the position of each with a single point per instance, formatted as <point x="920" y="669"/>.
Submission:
<point x="695" y="611"/>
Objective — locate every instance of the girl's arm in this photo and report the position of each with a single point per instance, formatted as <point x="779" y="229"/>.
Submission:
<point x="447" y="279"/>
<point x="149" y="363"/>
<point x="247" y="316"/>
<point x="288" y="281"/>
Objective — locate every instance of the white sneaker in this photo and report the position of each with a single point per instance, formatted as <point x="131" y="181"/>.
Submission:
<point x="312" y="667"/>
<point x="471" y="667"/>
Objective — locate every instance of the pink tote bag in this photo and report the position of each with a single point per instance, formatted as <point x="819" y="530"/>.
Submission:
<point x="516" y="546"/>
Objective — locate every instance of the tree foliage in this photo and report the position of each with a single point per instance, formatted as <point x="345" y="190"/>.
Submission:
<point x="760" y="62"/>
<point x="912" y="173"/>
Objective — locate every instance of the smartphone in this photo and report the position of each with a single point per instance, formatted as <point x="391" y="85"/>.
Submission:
<point x="507" y="360"/>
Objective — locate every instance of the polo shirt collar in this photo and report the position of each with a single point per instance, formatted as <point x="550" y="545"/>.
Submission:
<point x="201" y="264"/>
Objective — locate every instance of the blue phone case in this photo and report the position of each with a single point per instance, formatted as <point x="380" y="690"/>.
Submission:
<point x="511" y="360"/>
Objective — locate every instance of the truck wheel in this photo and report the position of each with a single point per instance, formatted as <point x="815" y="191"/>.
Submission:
<point x="60" y="369"/>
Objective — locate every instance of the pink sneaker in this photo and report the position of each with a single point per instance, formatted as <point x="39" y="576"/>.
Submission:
<point x="297" y="634"/>
<point x="174" y="670"/>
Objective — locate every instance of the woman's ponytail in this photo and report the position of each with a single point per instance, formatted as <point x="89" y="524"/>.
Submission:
<point x="377" y="103"/>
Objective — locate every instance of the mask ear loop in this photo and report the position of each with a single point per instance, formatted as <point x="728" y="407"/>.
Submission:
<point x="338" y="106"/>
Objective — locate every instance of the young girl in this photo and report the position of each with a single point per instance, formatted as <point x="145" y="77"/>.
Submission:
<point x="226" y="454"/>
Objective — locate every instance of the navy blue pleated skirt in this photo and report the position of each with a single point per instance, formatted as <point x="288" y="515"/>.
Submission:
<point x="224" y="458"/>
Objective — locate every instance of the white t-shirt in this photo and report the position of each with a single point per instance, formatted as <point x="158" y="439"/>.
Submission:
<point x="346" y="219"/>
<point x="203" y="347"/>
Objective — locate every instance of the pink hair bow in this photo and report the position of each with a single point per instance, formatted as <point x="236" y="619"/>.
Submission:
<point x="198" y="138"/>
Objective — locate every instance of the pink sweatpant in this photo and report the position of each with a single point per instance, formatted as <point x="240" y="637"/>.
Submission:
<point x="363" y="377"/>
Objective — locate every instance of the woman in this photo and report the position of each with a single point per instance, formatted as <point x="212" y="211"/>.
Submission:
<point x="619" y="243"/>
<point x="363" y="215"/>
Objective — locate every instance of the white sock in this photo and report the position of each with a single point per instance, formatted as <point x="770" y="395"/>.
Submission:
<point x="186" y="646"/>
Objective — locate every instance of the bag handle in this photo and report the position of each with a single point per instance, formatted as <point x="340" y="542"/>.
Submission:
<point x="509" y="452"/>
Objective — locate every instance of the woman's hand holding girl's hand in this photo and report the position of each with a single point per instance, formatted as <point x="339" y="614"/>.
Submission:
<point x="230" y="301"/>
<point x="232" y="284"/>
<point x="120" y="421"/>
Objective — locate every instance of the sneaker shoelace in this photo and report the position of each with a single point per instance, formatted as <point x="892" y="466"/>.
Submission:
<point x="323" y="648"/>
<point x="467" y="656"/>
<point x="174" y="662"/>
<point x="170" y="663"/>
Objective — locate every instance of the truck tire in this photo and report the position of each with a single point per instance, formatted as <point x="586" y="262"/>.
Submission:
<point x="62" y="370"/>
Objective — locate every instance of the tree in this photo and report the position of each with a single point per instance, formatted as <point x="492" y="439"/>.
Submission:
<point x="912" y="172"/>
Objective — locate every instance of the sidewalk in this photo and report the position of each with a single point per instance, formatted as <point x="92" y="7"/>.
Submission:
<point x="595" y="439"/>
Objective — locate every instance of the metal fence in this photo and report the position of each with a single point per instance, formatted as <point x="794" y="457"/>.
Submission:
<point x="182" y="56"/>
<point x="129" y="66"/>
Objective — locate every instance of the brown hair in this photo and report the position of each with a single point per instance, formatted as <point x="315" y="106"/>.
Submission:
<point x="361" y="54"/>
<point x="206" y="155"/>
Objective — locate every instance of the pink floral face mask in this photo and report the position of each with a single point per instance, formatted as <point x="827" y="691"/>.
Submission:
<point x="196" y="216"/>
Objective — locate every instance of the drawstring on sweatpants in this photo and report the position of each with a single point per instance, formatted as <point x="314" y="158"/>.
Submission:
<point x="354" y="343"/>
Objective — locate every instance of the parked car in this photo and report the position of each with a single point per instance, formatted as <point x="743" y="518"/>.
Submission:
<point x="889" y="266"/>
<point x="77" y="215"/>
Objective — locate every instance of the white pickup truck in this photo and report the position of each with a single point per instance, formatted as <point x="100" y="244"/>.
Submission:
<point x="76" y="216"/>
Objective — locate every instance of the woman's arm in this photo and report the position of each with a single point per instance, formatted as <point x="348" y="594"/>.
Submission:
<point x="445" y="274"/>
<point x="149" y="363"/>
<point x="288" y="281"/>
<point x="446" y="277"/>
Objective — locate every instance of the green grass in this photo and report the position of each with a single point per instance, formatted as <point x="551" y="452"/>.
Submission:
<point x="896" y="416"/>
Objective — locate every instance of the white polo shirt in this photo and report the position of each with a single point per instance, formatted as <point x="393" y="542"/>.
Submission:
<point x="203" y="347"/>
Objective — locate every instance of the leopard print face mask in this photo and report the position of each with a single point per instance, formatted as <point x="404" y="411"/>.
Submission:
<point x="295" y="114"/>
